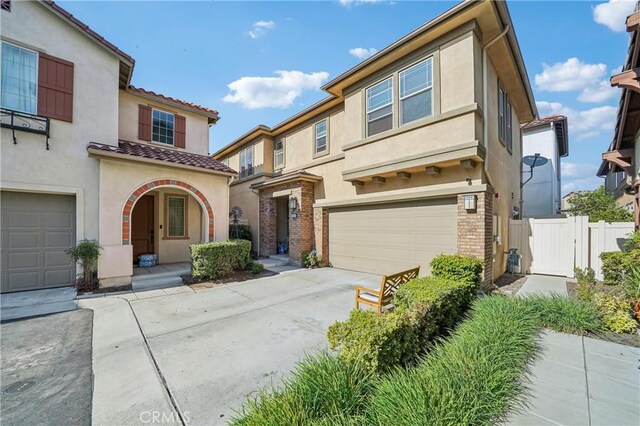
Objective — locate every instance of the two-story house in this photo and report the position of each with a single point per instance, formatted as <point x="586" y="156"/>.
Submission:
<point x="621" y="162"/>
<point x="547" y="138"/>
<point x="415" y="151"/>
<point x="85" y="155"/>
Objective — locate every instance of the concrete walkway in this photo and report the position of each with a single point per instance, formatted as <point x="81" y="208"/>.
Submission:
<point x="583" y="381"/>
<point x="24" y="304"/>
<point x="211" y="349"/>
<point x="543" y="285"/>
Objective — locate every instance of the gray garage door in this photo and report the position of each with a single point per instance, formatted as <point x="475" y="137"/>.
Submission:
<point x="36" y="230"/>
<point x="388" y="238"/>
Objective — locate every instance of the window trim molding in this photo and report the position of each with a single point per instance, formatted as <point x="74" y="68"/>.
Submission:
<point x="432" y="88"/>
<point x="393" y="104"/>
<point x="173" y="130"/>
<point x="326" y="150"/>
<point x="166" y="235"/>
<point x="244" y="150"/>
<point x="284" y="154"/>
<point x="37" y="82"/>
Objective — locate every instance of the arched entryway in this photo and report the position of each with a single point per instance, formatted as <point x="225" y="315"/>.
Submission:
<point x="166" y="215"/>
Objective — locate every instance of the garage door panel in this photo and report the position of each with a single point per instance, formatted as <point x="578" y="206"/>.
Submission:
<point x="36" y="230"/>
<point x="390" y="237"/>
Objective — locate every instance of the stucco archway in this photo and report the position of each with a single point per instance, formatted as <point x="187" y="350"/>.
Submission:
<point x="157" y="183"/>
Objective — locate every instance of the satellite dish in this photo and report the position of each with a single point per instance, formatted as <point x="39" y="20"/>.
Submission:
<point x="535" y="160"/>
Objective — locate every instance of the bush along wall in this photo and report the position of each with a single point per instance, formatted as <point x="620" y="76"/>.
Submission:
<point x="457" y="267"/>
<point x="217" y="259"/>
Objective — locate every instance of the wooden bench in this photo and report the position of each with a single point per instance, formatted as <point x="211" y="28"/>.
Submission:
<point x="390" y="283"/>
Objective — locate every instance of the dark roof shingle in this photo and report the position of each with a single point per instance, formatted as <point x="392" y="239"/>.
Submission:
<point x="144" y="150"/>
<point x="543" y="121"/>
<point x="210" y="112"/>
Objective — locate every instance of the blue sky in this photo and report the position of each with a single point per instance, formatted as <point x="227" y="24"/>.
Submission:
<point x="261" y="62"/>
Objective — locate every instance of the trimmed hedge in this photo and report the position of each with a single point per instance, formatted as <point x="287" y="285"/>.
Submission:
<point x="217" y="259"/>
<point x="457" y="267"/>
<point x="425" y="308"/>
<point x="244" y="232"/>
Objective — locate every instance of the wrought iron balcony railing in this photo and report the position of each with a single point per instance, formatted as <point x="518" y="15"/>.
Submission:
<point x="24" y="122"/>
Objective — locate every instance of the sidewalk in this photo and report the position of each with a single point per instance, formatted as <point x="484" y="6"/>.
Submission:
<point x="543" y="285"/>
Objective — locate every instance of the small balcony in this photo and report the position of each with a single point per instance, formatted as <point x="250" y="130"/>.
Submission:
<point x="24" y="122"/>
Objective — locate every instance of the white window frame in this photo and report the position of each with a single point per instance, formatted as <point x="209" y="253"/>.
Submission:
<point x="316" y="137"/>
<point x="367" y="111"/>
<point x="401" y="98"/>
<point x="35" y="111"/>
<point x="276" y="152"/>
<point x="173" y="136"/>
<point x="248" y="171"/>
<point x="184" y="216"/>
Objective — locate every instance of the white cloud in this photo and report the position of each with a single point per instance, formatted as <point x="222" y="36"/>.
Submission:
<point x="579" y="176"/>
<point x="582" y="124"/>
<point x="613" y="14"/>
<point x="363" y="52"/>
<point x="570" y="75"/>
<point x="600" y="92"/>
<point x="348" y="3"/>
<point x="273" y="92"/>
<point x="260" y="27"/>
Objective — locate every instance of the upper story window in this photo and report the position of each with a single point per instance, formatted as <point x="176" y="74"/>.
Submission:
<point x="278" y="154"/>
<point x="163" y="126"/>
<point x="321" y="137"/>
<point x="246" y="162"/>
<point x="380" y="107"/>
<point x="19" y="78"/>
<point x="505" y="119"/>
<point x="416" y="91"/>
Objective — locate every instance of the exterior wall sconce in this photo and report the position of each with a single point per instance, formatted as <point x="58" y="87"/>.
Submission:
<point x="470" y="202"/>
<point x="293" y="207"/>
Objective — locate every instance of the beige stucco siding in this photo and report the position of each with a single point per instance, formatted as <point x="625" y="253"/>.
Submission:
<point x="244" y="197"/>
<point x="457" y="77"/>
<point x="197" y="132"/>
<point x="119" y="179"/>
<point x="66" y="166"/>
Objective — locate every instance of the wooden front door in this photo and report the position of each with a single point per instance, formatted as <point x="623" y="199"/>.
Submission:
<point x="142" y="227"/>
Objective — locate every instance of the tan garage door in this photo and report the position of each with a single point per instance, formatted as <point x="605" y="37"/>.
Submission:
<point x="388" y="238"/>
<point x="36" y="230"/>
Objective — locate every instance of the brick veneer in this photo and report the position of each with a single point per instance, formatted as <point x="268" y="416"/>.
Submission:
<point x="321" y="232"/>
<point x="128" y="207"/>
<point x="475" y="232"/>
<point x="301" y="228"/>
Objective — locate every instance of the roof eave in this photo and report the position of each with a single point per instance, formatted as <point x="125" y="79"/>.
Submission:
<point x="212" y="118"/>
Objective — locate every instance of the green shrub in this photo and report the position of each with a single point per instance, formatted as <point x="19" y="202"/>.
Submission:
<point x="615" y="313"/>
<point x="475" y="377"/>
<point x="457" y="267"/>
<point x="616" y="264"/>
<point x="311" y="259"/>
<point x="586" y="279"/>
<point x="425" y="308"/>
<point x="632" y="242"/>
<point x="86" y="253"/>
<point x="217" y="259"/>
<point x="563" y="314"/>
<point x="323" y="388"/>
<point x="254" y="267"/>
<point x="631" y="283"/>
<point x="243" y="232"/>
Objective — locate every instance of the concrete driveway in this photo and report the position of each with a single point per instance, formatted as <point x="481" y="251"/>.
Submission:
<point x="202" y="353"/>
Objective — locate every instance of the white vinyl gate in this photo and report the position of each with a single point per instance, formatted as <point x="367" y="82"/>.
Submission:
<point x="558" y="245"/>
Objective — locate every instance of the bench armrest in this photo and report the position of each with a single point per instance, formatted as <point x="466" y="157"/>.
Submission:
<point x="367" y="290"/>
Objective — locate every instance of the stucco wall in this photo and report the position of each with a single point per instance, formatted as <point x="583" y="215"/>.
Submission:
<point x="28" y="165"/>
<point x="541" y="194"/>
<point x="242" y="196"/>
<point x="197" y="132"/>
<point x="120" y="179"/>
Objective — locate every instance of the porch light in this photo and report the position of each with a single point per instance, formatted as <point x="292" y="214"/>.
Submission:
<point x="293" y="204"/>
<point x="470" y="202"/>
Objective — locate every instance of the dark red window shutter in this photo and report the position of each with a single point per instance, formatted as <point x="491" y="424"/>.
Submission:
<point x="144" y="122"/>
<point x="181" y="130"/>
<point x="55" y="87"/>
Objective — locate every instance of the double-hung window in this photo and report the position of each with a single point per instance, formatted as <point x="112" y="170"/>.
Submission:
<point x="176" y="216"/>
<point x="416" y="91"/>
<point x="246" y="162"/>
<point x="278" y="154"/>
<point x="163" y="127"/>
<point x="505" y="119"/>
<point x="19" y="79"/>
<point x="321" y="137"/>
<point x="380" y="107"/>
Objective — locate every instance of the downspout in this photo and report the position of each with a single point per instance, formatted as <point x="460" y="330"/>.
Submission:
<point x="485" y="102"/>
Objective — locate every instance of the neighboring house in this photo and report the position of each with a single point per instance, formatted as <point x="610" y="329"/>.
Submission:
<point x="548" y="137"/>
<point x="416" y="151"/>
<point x="616" y="183"/>
<point x="87" y="155"/>
<point x="566" y="200"/>
<point x="621" y="163"/>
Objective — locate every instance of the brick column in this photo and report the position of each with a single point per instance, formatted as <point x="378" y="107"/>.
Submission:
<point x="301" y="234"/>
<point x="321" y="231"/>
<point x="268" y="220"/>
<point x="475" y="232"/>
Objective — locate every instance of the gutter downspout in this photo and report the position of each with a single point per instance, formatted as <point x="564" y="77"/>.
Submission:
<point x="485" y="101"/>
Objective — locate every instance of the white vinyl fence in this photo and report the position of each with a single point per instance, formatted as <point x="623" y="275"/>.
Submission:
<point x="554" y="246"/>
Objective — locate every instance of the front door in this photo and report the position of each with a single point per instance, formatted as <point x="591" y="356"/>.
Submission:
<point x="142" y="226"/>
